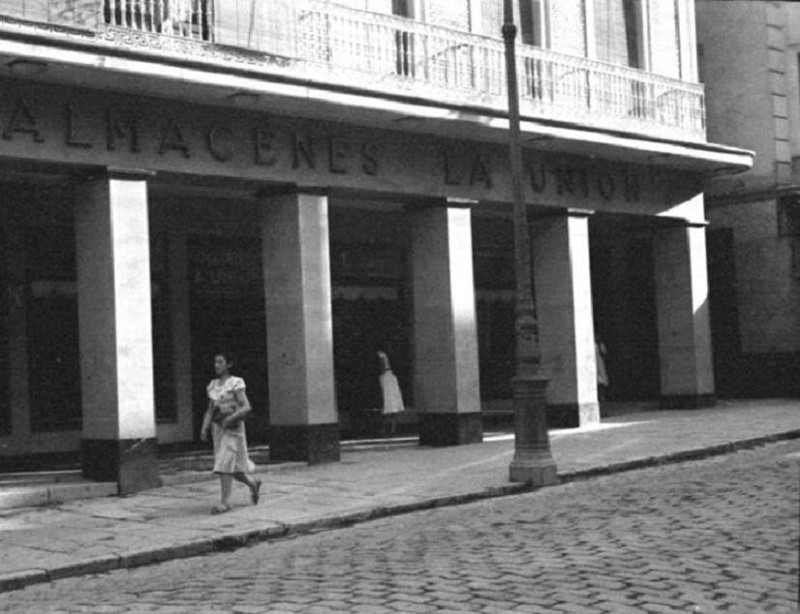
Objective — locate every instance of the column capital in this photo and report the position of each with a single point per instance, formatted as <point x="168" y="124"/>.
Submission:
<point x="683" y="223"/>
<point x="551" y="212"/>
<point x="118" y="172"/>
<point x="574" y="212"/>
<point x="115" y="172"/>
<point x="287" y="189"/>
<point x="461" y="203"/>
<point x="441" y="203"/>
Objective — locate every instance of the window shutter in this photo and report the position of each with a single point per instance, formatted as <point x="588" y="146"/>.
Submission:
<point x="449" y="13"/>
<point x="380" y="6"/>
<point x="255" y="24"/>
<point x="361" y="5"/>
<point x="568" y="27"/>
<point x="492" y="18"/>
<point x="610" y="32"/>
<point x="233" y="22"/>
<point x="664" y="39"/>
<point x="34" y="10"/>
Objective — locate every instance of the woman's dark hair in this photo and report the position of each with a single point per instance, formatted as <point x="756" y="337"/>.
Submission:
<point x="228" y="355"/>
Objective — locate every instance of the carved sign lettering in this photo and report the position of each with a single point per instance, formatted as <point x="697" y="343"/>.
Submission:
<point x="123" y="128"/>
<point x="560" y="177"/>
<point x="95" y="128"/>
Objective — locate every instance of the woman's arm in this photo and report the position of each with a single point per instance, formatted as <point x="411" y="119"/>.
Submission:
<point x="243" y="408"/>
<point x="207" y="421"/>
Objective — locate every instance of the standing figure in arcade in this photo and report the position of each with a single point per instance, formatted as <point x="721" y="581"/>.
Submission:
<point x="600" y="353"/>
<point x="227" y="407"/>
<point x="390" y="389"/>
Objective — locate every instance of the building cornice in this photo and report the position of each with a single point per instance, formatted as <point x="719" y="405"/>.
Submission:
<point x="174" y="67"/>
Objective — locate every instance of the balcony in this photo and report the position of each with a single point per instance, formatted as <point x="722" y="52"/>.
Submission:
<point x="316" y="41"/>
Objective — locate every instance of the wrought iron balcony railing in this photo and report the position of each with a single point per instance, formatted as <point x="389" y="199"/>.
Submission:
<point x="369" y="51"/>
<point x="187" y="18"/>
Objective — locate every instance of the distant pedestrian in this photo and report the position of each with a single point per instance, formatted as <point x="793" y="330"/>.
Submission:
<point x="227" y="407"/>
<point x="390" y="389"/>
<point x="602" y="375"/>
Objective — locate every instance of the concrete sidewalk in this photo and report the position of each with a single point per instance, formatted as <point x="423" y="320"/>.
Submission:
<point x="39" y="544"/>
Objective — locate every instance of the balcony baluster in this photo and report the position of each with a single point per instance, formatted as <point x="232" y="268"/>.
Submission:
<point x="387" y="54"/>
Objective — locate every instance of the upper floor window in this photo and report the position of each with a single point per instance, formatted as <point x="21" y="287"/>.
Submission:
<point x="563" y="25"/>
<point x="532" y="22"/>
<point x="401" y="8"/>
<point x="618" y="32"/>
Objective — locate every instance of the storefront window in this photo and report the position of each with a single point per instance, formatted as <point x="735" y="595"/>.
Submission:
<point x="228" y="314"/>
<point x="495" y="283"/>
<point x="52" y="330"/>
<point x="496" y="342"/>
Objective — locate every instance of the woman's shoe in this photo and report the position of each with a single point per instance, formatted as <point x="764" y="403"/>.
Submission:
<point x="255" y="491"/>
<point x="220" y="508"/>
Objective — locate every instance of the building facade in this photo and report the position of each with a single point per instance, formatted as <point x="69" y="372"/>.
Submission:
<point x="310" y="182"/>
<point x="754" y="234"/>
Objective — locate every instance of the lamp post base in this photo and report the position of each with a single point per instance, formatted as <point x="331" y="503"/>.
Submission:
<point x="534" y="468"/>
<point x="533" y="462"/>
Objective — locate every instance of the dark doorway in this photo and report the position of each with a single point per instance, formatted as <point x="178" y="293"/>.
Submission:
<point x="370" y="313"/>
<point x="623" y="296"/>
<point x="52" y="329"/>
<point x="5" y="405"/>
<point x="724" y="311"/>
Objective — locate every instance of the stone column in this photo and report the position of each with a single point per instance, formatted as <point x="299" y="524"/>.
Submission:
<point x="566" y="325"/>
<point x="304" y="423"/>
<point x="446" y="376"/>
<point x="113" y="262"/>
<point x="684" y="332"/>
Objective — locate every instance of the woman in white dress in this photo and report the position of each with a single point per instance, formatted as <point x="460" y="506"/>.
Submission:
<point x="392" y="398"/>
<point x="227" y="406"/>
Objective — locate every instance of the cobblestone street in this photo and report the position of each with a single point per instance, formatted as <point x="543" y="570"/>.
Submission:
<point x="719" y="535"/>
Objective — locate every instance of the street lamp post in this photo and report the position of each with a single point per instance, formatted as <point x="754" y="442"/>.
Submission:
<point x="533" y="462"/>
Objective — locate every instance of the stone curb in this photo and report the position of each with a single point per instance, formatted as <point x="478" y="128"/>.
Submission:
<point x="678" y="457"/>
<point x="57" y="493"/>
<point x="234" y="540"/>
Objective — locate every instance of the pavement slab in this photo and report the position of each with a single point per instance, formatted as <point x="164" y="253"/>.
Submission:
<point x="101" y="533"/>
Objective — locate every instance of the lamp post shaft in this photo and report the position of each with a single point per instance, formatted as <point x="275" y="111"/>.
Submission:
<point x="533" y="462"/>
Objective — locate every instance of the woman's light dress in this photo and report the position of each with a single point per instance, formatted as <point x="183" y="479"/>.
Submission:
<point x="230" y="444"/>
<point x="602" y="374"/>
<point x="392" y="398"/>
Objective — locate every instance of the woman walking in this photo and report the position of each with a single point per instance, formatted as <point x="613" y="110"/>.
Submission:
<point x="227" y="407"/>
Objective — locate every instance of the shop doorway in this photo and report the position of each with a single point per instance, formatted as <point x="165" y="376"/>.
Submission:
<point x="624" y="302"/>
<point x="52" y="329"/>
<point x="370" y="313"/>
<point x="228" y="314"/>
<point x="724" y="314"/>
